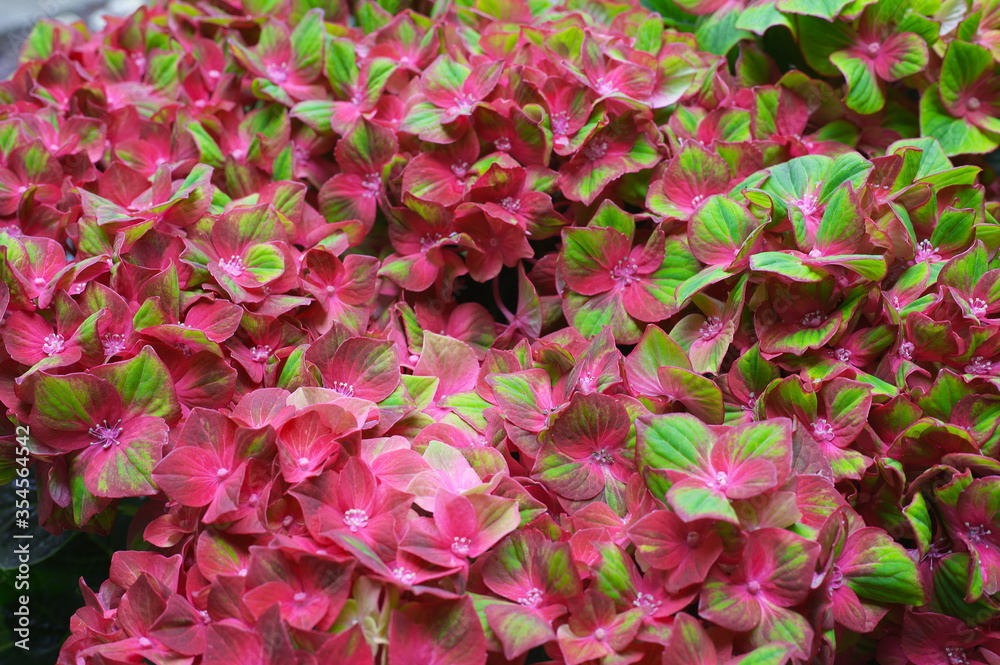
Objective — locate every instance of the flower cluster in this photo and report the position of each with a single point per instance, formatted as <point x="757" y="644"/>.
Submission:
<point x="507" y="331"/>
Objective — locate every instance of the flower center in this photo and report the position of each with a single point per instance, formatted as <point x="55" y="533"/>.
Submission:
<point x="105" y="435"/>
<point x="602" y="456"/>
<point x="502" y="144"/>
<point x="976" y="535"/>
<point x="906" y="350"/>
<point x="113" y="344"/>
<point x="956" y="656"/>
<point x="978" y="365"/>
<point x="355" y="519"/>
<point x="372" y="184"/>
<point x="510" y="204"/>
<point x="53" y="344"/>
<point x="711" y="328"/>
<point x="646" y="602"/>
<point x="873" y="49"/>
<point x="560" y="123"/>
<point x="460" y="545"/>
<point x="605" y="87"/>
<point x="721" y="480"/>
<point x="595" y="150"/>
<point x="460" y="168"/>
<point x="233" y="266"/>
<point x="145" y="642"/>
<point x="430" y="240"/>
<point x="222" y="472"/>
<point x="260" y="354"/>
<point x="836" y="578"/>
<point x="278" y="73"/>
<point x="926" y="251"/>
<point x="978" y="306"/>
<point x="843" y="355"/>
<point x="692" y="539"/>
<point x="813" y="319"/>
<point x="300" y="597"/>
<point x="345" y="389"/>
<point x="973" y="103"/>
<point x="624" y="272"/>
<point x="404" y="575"/>
<point x="823" y="430"/>
<point x="808" y="204"/>
<point x="753" y="587"/>
<point x="532" y="598"/>
<point x="463" y="104"/>
<point x="600" y="634"/>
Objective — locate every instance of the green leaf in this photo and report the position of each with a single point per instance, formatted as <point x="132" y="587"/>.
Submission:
<point x="673" y="442"/>
<point x="209" y="151"/>
<point x="718" y="229"/>
<point x="964" y="66"/>
<point x="828" y="9"/>
<point x="694" y="502"/>
<point x="66" y="402"/>
<point x="788" y="266"/>
<point x="955" y="135"/>
<point x="881" y="570"/>
<point x="144" y="384"/>
<point x="919" y="517"/>
<point x="307" y="44"/>
<point x="265" y="262"/>
<point x="864" y="90"/>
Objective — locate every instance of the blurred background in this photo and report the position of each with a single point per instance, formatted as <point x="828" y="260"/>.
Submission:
<point x="18" y="16"/>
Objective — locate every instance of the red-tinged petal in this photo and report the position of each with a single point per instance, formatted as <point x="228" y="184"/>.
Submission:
<point x="591" y="427"/>
<point x="700" y="395"/>
<point x="782" y="563"/>
<point x="300" y="611"/>
<point x="687" y="550"/>
<point x="524" y="397"/>
<point x="849" y="612"/>
<point x="366" y="150"/>
<point x="590" y="256"/>
<point x="347" y="196"/>
<point x="689" y="643"/>
<point x="428" y="176"/>
<point x="363" y="368"/>
<point x="729" y="605"/>
<point x="900" y="56"/>
<point x="29" y="338"/>
<point x="693" y="499"/>
<point x="189" y="475"/>
<point x="123" y="466"/>
<point x="228" y="643"/>
<point x="646" y="301"/>
<point x="445" y="632"/>
<point x="67" y="407"/>
<point x="569" y="477"/>
<point x="413" y="272"/>
<point x="518" y="628"/>
<point x="452" y="361"/>
<point x="718" y="229"/>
